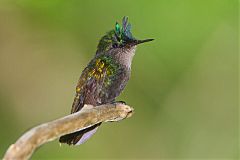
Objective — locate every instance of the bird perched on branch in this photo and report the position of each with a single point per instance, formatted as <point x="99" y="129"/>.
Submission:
<point x="105" y="76"/>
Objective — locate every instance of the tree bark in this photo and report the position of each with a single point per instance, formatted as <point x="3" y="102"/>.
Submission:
<point x="46" y="132"/>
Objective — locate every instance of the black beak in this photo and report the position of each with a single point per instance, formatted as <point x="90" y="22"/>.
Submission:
<point x="136" y="42"/>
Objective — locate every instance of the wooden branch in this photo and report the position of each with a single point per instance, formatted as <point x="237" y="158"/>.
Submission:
<point x="88" y="116"/>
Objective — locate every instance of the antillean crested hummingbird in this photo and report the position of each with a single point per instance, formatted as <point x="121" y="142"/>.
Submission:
<point x="105" y="76"/>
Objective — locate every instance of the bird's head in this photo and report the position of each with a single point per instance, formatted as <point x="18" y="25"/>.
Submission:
<point x="119" y="38"/>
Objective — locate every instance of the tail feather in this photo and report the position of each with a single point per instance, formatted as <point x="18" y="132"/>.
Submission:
<point x="79" y="137"/>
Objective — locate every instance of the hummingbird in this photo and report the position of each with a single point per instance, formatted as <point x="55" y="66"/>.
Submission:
<point x="105" y="76"/>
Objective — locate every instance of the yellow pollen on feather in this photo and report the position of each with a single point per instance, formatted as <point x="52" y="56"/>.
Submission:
<point x="108" y="72"/>
<point x="100" y="70"/>
<point x="101" y="65"/>
<point x="98" y="61"/>
<point x="97" y="76"/>
<point x="78" y="89"/>
<point x="91" y="73"/>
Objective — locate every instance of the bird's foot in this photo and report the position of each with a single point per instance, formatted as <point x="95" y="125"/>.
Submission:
<point x="121" y="102"/>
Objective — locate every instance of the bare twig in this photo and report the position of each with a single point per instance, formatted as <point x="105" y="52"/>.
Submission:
<point x="88" y="116"/>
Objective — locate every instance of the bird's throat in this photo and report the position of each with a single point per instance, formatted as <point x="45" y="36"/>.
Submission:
<point x="125" y="56"/>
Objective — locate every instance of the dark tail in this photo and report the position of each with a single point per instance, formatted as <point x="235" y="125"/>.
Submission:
<point x="79" y="137"/>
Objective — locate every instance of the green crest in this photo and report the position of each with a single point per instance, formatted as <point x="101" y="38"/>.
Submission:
<point x="124" y="32"/>
<point x="116" y="37"/>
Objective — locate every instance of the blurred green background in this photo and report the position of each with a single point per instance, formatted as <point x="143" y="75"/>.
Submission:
<point x="184" y="85"/>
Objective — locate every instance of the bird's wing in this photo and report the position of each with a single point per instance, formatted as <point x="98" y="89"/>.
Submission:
<point x="94" y="77"/>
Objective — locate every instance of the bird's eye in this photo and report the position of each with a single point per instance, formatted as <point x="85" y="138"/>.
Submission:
<point x="114" y="45"/>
